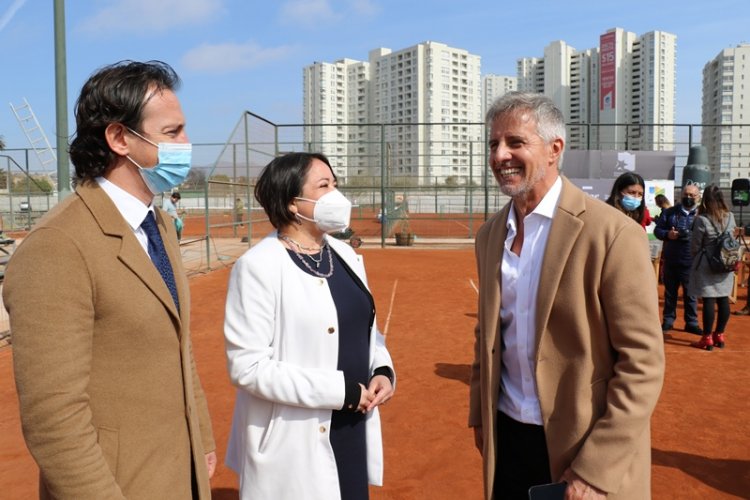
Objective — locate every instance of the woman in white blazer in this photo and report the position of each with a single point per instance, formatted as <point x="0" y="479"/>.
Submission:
<point x="303" y="348"/>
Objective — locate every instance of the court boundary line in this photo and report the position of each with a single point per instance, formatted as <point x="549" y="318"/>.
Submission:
<point x="390" y="308"/>
<point x="462" y="225"/>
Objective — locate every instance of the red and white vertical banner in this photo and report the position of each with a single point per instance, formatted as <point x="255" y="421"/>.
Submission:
<point x="607" y="71"/>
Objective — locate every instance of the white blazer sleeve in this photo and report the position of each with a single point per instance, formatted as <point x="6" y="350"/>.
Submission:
<point x="251" y="326"/>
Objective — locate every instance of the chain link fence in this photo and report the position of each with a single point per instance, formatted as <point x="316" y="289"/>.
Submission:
<point x="427" y="180"/>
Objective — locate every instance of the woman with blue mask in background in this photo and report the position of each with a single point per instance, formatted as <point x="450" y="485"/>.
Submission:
<point x="627" y="196"/>
<point x="303" y="347"/>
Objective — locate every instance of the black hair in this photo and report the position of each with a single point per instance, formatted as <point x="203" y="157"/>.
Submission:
<point x="176" y="195"/>
<point x="281" y="181"/>
<point x="615" y="196"/>
<point x="113" y="94"/>
<point x="661" y="200"/>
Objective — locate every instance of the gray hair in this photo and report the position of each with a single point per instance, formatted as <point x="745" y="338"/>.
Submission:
<point x="550" y="123"/>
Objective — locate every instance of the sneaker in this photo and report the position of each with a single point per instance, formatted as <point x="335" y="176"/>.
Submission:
<point x="665" y="328"/>
<point x="694" y="329"/>
<point x="745" y="311"/>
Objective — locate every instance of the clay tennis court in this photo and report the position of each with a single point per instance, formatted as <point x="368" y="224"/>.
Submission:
<point x="364" y="224"/>
<point x="427" y="305"/>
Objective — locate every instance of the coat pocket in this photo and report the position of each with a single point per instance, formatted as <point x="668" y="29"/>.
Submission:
<point x="599" y="389"/>
<point x="266" y="437"/>
<point x="109" y="441"/>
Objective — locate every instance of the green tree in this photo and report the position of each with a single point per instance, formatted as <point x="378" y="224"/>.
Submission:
<point x="32" y="184"/>
<point x="196" y="179"/>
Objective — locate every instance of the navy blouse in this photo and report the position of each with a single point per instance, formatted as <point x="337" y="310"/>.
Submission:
<point x="355" y="311"/>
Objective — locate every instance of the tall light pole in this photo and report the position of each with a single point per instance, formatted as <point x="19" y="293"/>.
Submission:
<point x="61" y="103"/>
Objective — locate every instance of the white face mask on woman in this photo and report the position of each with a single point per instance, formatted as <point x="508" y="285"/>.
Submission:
<point x="332" y="212"/>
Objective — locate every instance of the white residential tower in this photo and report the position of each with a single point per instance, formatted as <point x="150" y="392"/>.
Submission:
<point x="426" y="100"/>
<point x="726" y="106"/>
<point x="625" y="87"/>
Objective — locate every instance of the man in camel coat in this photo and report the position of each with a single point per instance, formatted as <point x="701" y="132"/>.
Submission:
<point x="569" y="358"/>
<point x="111" y="405"/>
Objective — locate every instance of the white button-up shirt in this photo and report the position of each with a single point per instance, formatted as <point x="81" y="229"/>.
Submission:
<point x="520" y="280"/>
<point x="131" y="208"/>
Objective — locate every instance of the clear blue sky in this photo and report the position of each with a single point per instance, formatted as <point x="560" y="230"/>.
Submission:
<point x="235" y="55"/>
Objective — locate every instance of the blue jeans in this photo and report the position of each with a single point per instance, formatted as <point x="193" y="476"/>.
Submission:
<point x="674" y="277"/>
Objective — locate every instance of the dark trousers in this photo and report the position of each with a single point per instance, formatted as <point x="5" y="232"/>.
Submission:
<point x="522" y="459"/>
<point x="674" y="277"/>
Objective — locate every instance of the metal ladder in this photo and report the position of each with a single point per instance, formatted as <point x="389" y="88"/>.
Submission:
<point x="34" y="133"/>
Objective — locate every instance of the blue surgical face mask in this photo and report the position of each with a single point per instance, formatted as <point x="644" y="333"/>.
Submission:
<point x="171" y="170"/>
<point x="630" y="203"/>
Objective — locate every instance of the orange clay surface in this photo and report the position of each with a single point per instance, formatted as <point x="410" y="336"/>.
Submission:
<point x="364" y="224"/>
<point x="427" y="303"/>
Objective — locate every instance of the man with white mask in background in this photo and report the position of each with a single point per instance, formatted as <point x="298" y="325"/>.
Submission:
<point x="110" y="401"/>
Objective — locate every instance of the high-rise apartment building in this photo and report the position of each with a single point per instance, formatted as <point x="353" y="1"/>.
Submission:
<point x="429" y="83"/>
<point x="494" y="86"/>
<point x="654" y="84"/>
<point x="625" y="87"/>
<point x="335" y="100"/>
<point x="726" y="106"/>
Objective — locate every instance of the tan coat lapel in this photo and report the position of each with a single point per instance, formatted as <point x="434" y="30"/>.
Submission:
<point x="565" y="228"/>
<point x="490" y="293"/>
<point x="131" y="253"/>
<point x="492" y="284"/>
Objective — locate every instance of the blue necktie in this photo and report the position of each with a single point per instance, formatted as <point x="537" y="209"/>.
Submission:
<point x="159" y="255"/>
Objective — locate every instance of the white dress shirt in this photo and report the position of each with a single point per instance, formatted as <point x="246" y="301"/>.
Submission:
<point x="131" y="208"/>
<point x="520" y="280"/>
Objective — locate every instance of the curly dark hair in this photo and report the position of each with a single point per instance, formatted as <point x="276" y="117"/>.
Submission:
<point x="281" y="181"/>
<point x="113" y="94"/>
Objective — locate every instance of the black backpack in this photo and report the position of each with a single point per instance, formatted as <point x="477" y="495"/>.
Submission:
<point x="723" y="254"/>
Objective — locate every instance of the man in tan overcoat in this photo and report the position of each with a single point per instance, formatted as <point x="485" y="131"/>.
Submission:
<point x="111" y="405"/>
<point x="569" y="355"/>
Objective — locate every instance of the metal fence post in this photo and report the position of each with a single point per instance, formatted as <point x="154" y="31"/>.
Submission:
<point x="383" y="215"/>
<point x="471" y="189"/>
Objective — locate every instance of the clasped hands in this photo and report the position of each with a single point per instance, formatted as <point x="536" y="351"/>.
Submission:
<point x="378" y="392"/>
